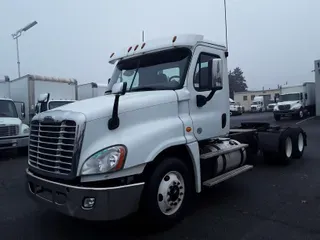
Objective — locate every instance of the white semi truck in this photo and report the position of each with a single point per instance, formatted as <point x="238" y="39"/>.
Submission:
<point x="155" y="141"/>
<point x="40" y="93"/>
<point x="13" y="133"/>
<point x="91" y="90"/>
<point x="296" y="101"/>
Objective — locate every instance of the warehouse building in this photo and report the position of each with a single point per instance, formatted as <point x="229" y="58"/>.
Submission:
<point x="317" y="80"/>
<point x="246" y="98"/>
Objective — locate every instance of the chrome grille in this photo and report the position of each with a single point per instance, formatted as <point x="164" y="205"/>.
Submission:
<point x="253" y="108"/>
<point x="7" y="131"/>
<point x="284" y="107"/>
<point x="52" y="145"/>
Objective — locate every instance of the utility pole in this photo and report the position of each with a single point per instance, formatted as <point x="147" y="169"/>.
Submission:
<point x="16" y="36"/>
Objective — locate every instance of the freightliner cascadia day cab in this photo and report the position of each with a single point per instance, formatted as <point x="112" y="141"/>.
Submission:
<point x="160" y="136"/>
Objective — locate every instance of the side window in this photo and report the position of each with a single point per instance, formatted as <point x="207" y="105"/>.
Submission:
<point x="208" y="72"/>
<point x="245" y="98"/>
<point x="252" y="97"/>
<point x="305" y="96"/>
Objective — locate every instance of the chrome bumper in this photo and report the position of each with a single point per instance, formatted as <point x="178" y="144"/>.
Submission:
<point x="109" y="203"/>
<point x="14" y="142"/>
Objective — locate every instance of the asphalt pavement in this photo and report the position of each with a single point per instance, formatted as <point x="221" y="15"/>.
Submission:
<point x="269" y="202"/>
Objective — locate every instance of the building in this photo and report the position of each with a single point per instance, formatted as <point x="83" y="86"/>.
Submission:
<point x="246" y="98"/>
<point x="317" y="80"/>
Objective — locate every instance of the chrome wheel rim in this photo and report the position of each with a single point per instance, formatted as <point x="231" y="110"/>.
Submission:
<point x="300" y="142"/>
<point x="171" y="193"/>
<point x="288" y="145"/>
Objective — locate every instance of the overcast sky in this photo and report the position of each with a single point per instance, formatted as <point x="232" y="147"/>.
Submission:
<point x="272" y="41"/>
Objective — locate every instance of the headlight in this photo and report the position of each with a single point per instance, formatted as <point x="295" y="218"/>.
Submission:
<point x="106" y="160"/>
<point x="26" y="131"/>
<point x="294" y="107"/>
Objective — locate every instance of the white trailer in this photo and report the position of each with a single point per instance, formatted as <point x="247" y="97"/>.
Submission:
<point x="91" y="90"/>
<point x="28" y="88"/>
<point x="153" y="146"/>
<point x="296" y="101"/>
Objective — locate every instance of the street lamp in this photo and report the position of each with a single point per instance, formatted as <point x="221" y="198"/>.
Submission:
<point x="17" y="35"/>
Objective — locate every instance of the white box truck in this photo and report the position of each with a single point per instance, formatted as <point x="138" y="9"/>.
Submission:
<point x="296" y="101"/>
<point x="91" y="90"/>
<point x="13" y="133"/>
<point x="29" y="88"/>
<point x="154" y="142"/>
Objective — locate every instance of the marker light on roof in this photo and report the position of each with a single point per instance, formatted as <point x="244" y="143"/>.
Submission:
<point x="136" y="47"/>
<point x="143" y="44"/>
<point x="129" y="49"/>
<point x="174" y="39"/>
<point x="111" y="55"/>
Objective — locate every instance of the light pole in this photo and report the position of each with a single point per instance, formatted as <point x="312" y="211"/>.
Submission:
<point x="16" y="35"/>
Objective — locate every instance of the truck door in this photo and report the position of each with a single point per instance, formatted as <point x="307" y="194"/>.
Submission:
<point x="208" y="67"/>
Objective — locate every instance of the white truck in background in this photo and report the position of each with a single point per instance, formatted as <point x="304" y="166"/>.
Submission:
<point x="13" y="133"/>
<point x="257" y="104"/>
<point x="155" y="141"/>
<point x="40" y="93"/>
<point x="296" y="101"/>
<point x="91" y="90"/>
<point x="235" y="108"/>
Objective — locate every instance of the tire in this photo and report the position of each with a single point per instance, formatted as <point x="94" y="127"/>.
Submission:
<point x="23" y="151"/>
<point x="168" y="194"/>
<point x="300" y="114"/>
<point x="277" y="117"/>
<point x="286" y="146"/>
<point x="298" y="143"/>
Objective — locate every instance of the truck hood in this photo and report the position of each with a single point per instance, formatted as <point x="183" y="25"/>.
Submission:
<point x="288" y="102"/>
<point x="10" y="121"/>
<point x="100" y="107"/>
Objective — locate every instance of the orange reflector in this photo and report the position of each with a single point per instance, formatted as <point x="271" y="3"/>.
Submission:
<point x="143" y="45"/>
<point x="188" y="129"/>
<point x="136" y="47"/>
<point x="111" y="55"/>
<point x="174" y="39"/>
<point x="129" y="49"/>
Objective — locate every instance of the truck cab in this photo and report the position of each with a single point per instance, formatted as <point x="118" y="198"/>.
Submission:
<point x="13" y="133"/>
<point x="257" y="104"/>
<point x="160" y="136"/>
<point x="44" y="103"/>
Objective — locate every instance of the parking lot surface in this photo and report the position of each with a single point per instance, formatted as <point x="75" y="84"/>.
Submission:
<point x="269" y="202"/>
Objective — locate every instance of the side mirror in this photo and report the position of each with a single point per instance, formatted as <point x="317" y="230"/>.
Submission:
<point x="109" y="80"/>
<point x="44" y="97"/>
<point x="119" y="88"/>
<point x="23" y="111"/>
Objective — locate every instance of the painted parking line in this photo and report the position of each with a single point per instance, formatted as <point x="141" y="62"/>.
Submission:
<point x="309" y="118"/>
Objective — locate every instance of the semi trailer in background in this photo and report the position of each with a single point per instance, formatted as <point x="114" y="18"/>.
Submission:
<point x="91" y="90"/>
<point x="41" y="93"/>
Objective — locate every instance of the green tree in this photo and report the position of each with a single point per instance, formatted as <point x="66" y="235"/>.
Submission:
<point x="237" y="82"/>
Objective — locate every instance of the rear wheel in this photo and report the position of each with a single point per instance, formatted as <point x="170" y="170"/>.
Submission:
<point x="277" y="117"/>
<point x="168" y="193"/>
<point x="299" y="144"/>
<point x="300" y="114"/>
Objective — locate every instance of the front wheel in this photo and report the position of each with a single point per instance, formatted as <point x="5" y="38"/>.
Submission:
<point x="168" y="193"/>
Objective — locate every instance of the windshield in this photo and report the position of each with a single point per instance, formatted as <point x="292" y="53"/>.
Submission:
<point x="155" y="71"/>
<point x="8" y="109"/>
<point x="55" y="104"/>
<point x="255" y="103"/>
<point x="289" y="97"/>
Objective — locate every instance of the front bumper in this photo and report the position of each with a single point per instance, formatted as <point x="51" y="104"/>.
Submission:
<point x="286" y="112"/>
<point x="110" y="203"/>
<point x="14" y="142"/>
